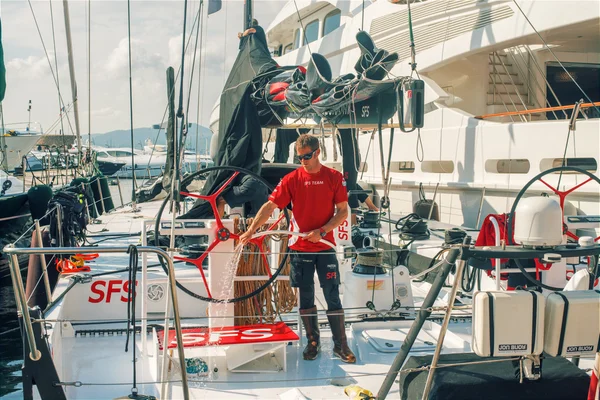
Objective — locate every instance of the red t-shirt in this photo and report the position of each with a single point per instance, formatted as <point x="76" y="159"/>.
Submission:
<point x="313" y="198"/>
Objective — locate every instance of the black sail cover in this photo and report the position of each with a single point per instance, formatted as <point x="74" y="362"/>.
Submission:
<point x="240" y="135"/>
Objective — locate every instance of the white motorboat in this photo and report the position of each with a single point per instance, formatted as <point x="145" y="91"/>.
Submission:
<point x="19" y="139"/>
<point x="148" y="164"/>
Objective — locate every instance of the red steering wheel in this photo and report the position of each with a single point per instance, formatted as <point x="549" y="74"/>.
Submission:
<point x="222" y="234"/>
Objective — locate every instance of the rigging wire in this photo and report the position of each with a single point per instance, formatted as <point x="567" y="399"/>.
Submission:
<point x="49" y="62"/>
<point x="133" y="266"/>
<point x="187" y="109"/>
<point x="574" y="114"/>
<point x="362" y="22"/>
<point x="89" y="60"/>
<point x="303" y="30"/>
<point x="556" y="58"/>
<point x="169" y="96"/>
<point x="179" y="138"/>
<point x="225" y="52"/>
<point x="200" y="76"/>
<point x="183" y="49"/>
<point x="134" y="186"/>
<point x="62" y="127"/>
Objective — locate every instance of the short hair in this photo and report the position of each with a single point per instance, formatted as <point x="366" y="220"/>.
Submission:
<point x="307" y="140"/>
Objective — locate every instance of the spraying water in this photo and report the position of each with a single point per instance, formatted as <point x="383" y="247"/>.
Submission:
<point x="227" y="278"/>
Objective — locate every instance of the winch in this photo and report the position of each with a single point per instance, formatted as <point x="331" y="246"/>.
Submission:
<point x="370" y="282"/>
<point x="371" y="220"/>
<point x="368" y="261"/>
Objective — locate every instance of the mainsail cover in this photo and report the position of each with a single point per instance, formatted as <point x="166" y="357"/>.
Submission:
<point x="240" y="135"/>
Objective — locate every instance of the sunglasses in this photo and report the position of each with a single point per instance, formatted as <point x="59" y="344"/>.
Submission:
<point x="307" y="156"/>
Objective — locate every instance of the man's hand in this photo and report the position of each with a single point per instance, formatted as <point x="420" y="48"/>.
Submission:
<point x="246" y="236"/>
<point x="247" y="32"/>
<point x="221" y="206"/>
<point x="313" y="236"/>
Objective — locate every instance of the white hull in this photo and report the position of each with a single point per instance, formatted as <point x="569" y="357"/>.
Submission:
<point x="17" y="147"/>
<point x="462" y="154"/>
<point x="469" y="147"/>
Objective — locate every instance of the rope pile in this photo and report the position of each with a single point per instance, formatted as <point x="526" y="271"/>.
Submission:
<point x="275" y="299"/>
<point x="370" y="256"/>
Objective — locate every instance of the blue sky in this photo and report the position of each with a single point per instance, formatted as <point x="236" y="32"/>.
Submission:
<point x="156" y="29"/>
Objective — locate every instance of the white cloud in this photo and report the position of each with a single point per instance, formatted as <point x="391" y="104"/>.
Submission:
<point x="106" y="112"/>
<point x="118" y="61"/>
<point x="156" y="28"/>
<point x="31" y="67"/>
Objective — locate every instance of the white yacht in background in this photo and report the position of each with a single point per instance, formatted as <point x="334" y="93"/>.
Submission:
<point x="482" y="63"/>
<point x="148" y="163"/>
<point x="19" y="139"/>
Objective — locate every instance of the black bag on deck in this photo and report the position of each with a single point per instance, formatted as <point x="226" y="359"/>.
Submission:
<point x="423" y="206"/>
<point x="74" y="218"/>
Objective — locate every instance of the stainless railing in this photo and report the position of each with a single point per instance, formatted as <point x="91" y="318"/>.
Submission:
<point x="497" y="78"/>
<point x="21" y="300"/>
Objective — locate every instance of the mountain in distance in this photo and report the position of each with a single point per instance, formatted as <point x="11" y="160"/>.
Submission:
<point x="122" y="138"/>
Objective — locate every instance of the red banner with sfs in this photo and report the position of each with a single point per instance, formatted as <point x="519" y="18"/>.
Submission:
<point x="231" y="335"/>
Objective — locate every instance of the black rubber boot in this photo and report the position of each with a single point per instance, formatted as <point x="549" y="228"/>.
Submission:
<point x="311" y="326"/>
<point x="338" y="329"/>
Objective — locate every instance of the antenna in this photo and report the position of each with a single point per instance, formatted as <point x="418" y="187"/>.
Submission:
<point x="29" y="120"/>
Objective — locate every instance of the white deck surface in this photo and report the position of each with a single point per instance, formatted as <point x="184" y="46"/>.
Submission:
<point x="104" y="369"/>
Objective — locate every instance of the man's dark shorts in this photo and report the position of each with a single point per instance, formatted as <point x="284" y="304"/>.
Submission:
<point x="303" y="268"/>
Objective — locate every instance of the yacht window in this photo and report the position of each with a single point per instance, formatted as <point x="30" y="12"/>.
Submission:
<point x="332" y="22"/>
<point x="112" y="153"/>
<point x="402" y="166"/>
<point x="102" y="154"/>
<point x="297" y="39"/>
<point x="438" y="166"/>
<point x="288" y="48"/>
<point x="586" y="163"/>
<point x="586" y="75"/>
<point x="311" y="32"/>
<point x="507" y="166"/>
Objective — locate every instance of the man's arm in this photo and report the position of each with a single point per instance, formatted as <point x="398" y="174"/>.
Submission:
<point x="261" y="217"/>
<point x="340" y="215"/>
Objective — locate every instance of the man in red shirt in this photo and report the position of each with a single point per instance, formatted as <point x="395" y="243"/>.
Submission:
<point x="315" y="192"/>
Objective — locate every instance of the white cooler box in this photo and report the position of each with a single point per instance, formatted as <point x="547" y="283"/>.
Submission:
<point x="572" y="323"/>
<point x="508" y="324"/>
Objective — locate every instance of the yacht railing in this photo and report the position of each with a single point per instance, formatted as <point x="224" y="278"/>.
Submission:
<point x="543" y="75"/>
<point x="525" y="71"/>
<point x="512" y="83"/>
<point x="518" y="82"/>
<point x="537" y="110"/>
<point x="497" y="78"/>
<point x="21" y="300"/>
<point x="496" y="243"/>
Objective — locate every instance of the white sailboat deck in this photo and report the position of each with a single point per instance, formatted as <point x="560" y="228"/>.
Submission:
<point x="91" y="349"/>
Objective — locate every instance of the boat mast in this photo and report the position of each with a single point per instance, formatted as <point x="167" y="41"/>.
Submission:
<point x="247" y="14"/>
<point x="72" y="74"/>
<point x="3" y="141"/>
